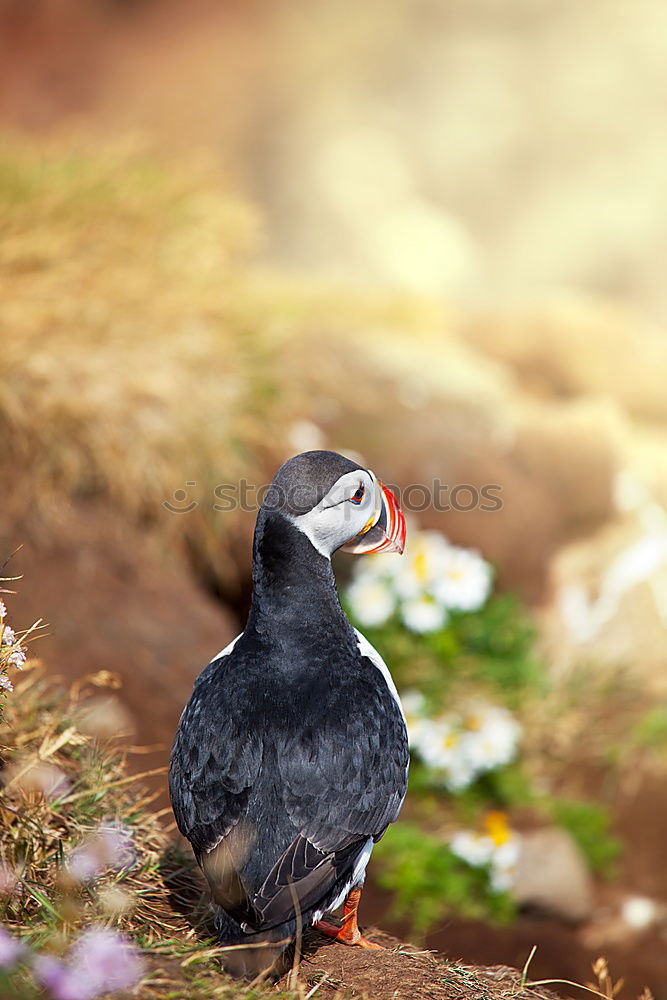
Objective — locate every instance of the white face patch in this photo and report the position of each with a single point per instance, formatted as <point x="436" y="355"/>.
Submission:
<point x="349" y="506"/>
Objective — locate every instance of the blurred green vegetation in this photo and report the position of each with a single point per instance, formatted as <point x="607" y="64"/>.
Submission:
<point x="589" y="824"/>
<point x="472" y="770"/>
<point x="430" y="882"/>
<point x="491" y="651"/>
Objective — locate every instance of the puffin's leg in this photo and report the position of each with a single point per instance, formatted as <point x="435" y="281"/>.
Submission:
<point x="348" y="932"/>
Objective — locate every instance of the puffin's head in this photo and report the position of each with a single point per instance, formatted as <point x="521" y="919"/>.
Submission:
<point x="337" y="504"/>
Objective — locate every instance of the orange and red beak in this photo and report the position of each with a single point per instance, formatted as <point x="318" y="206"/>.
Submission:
<point x="385" y="530"/>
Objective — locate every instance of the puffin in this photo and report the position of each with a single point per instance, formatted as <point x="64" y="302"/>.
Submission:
<point x="291" y="757"/>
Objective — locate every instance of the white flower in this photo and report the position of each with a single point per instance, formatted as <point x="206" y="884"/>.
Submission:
<point x="423" y="614"/>
<point x="6" y="683"/>
<point x="429" y="578"/>
<point x="3" y="609"/>
<point x="492" y="737"/>
<point x="439" y="744"/>
<point x="500" y="880"/>
<point x="475" y="849"/>
<point x="639" y="912"/>
<point x="459" y="774"/>
<point x="498" y="848"/>
<point x="414" y="573"/>
<point x="504" y="861"/>
<point x="462" y="748"/>
<point x="506" y="854"/>
<point x="464" y="580"/>
<point x="371" y="600"/>
<point x="412" y="702"/>
<point x="8" y="635"/>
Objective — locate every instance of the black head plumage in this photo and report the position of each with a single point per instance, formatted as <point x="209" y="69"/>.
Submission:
<point x="301" y="482"/>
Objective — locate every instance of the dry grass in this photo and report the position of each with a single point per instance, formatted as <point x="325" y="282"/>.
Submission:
<point x="157" y="900"/>
<point x="129" y="365"/>
<point x="139" y="354"/>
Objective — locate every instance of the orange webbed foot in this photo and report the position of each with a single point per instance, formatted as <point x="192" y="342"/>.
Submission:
<point x="348" y="933"/>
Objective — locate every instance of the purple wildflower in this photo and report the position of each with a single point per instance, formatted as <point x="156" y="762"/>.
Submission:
<point x="6" y="683"/>
<point x="107" y="959"/>
<point x="8" y="635"/>
<point x="49" y="780"/>
<point x="101" y="961"/>
<point x="84" y="863"/>
<point x="3" y="609"/>
<point x="17" y="658"/>
<point x="117" y="845"/>
<point x="10" y="950"/>
<point x="59" y="980"/>
<point x="111" y="847"/>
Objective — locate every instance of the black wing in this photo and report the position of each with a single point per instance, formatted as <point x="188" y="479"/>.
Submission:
<point x="214" y="760"/>
<point x="344" y="782"/>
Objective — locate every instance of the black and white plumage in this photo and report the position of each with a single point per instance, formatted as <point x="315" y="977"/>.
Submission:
<point x="291" y="757"/>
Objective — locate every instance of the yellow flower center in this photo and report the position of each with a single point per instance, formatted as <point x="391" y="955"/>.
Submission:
<point x="497" y="827"/>
<point x="420" y="566"/>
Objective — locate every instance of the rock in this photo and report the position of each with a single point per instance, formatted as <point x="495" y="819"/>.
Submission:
<point x="607" y="603"/>
<point x="552" y="876"/>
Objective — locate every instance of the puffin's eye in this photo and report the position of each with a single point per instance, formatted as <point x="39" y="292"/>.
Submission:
<point x="359" y="495"/>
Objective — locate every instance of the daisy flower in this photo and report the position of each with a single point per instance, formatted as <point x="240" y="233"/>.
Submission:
<point x="414" y="573"/>
<point x="475" y="849"/>
<point x="423" y="614"/>
<point x="492" y="737"/>
<point x="439" y="744"/>
<point x="464" y="580"/>
<point x="497" y="848"/>
<point x="371" y="600"/>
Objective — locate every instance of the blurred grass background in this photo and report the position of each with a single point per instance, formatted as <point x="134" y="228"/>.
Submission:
<point x="432" y="233"/>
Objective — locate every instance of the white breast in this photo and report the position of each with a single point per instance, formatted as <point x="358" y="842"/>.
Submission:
<point x="228" y="648"/>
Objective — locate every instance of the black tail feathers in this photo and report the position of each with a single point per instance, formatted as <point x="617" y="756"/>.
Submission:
<point x="248" y="955"/>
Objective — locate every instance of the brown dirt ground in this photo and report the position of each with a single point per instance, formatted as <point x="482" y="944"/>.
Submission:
<point x="113" y="602"/>
<point x="401" y="972"/>
<point x="404" y="972"/>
